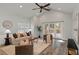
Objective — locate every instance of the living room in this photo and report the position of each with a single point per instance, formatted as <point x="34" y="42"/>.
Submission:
<point x="31" y="24"/>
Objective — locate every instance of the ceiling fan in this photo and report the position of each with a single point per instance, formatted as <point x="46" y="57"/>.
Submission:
<point x="42" y="7"/>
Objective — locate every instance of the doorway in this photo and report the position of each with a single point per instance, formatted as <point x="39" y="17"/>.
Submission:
<point x="53" y="28"/>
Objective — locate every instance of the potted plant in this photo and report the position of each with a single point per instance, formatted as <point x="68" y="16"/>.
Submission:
<point x="39" y="28"/>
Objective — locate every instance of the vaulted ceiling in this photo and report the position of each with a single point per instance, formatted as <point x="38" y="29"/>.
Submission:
<point x="24" y="10"/>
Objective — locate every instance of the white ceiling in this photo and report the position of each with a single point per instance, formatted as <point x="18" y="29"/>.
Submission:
<point x="13" y="9"/>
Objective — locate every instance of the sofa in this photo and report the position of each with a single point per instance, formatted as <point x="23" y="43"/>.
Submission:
<point x="20" y="38"/>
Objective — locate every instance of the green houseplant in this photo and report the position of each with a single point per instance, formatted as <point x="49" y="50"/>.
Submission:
<point x="39" y="28"/>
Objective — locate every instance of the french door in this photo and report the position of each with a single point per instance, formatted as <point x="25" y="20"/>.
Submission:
<point x="53" y="27"/>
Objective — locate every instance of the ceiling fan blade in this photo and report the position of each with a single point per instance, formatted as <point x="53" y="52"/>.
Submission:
<point x="40" y="10"/>
<point x="37" y="4"/>
<point x="46" y="5"/>
<point x="46" y="9"/>
<point x="35" y="8"/>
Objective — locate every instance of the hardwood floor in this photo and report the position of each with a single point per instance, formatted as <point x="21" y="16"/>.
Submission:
<point x="61" y="50"/>
<point x="42" y="48"/>
<point x="56" y="48"/>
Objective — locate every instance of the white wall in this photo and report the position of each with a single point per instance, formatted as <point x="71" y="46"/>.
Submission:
<point x="15" y="20"/>
<point x="75" y="24"/>
<point x="46" y="17"/>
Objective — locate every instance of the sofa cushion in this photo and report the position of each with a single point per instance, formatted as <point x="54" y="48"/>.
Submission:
<point x="21" y="35"/>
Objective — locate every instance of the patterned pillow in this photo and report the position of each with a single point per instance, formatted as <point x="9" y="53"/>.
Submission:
<point x="27" y="34"/>
<point x="15" y="35"/>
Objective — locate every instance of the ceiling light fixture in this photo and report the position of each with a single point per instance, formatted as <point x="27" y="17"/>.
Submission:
<point x="20" y="6"/>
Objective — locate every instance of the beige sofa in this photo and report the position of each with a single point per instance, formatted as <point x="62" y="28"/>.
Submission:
<point x="22" y="39"/>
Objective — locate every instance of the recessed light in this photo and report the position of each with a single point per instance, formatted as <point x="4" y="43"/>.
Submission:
<point x="20" y="6"/>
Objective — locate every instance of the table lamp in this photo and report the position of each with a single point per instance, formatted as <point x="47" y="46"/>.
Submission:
<point x="7" y="32"/>
<point x="7" y="42"/>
